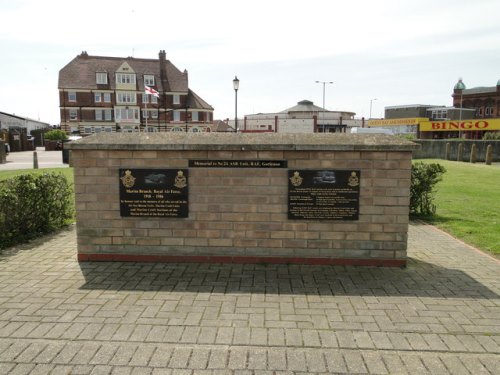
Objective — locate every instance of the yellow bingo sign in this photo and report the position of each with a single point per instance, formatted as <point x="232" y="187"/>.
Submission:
<point x="462" y="125"/>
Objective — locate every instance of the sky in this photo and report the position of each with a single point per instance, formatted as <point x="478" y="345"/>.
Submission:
<point x="382" y="53"/>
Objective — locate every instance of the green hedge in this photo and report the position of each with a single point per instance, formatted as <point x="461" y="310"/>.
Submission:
<point x="31" y="205"/>
<point x="55" y="135"/>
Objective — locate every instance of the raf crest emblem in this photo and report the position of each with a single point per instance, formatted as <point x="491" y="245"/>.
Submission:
<point x="353" y="179"/>
<point x="128" y="180"/>
<point x="296" y="180"/>
<point x="180" y="180"/>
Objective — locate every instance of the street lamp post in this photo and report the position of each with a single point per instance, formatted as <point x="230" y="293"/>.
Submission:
<point x="371" y="101"/>
<point x="460" y="86"/>
<point x="236" y="86"/>
<point x="324" y="83"/>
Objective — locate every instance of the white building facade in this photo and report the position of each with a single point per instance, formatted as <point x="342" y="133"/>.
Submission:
<point x="304" y="117"/>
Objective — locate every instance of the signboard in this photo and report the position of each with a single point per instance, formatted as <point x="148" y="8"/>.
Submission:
<point x="154" y="192"/>
<point x="460" y="125"/>
<point x="397" y="121"/>
<point x="237" y="163"/>
<point x="323" y="194"/>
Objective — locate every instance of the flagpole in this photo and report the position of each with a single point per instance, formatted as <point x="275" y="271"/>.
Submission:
<point x="146" y="110"/>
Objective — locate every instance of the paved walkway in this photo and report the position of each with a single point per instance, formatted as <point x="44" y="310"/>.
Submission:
<point x="24" y="160"/>
<point x="440" y="315"/>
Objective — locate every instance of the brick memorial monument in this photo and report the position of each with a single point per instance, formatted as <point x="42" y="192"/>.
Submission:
<point x="246" y="198"/>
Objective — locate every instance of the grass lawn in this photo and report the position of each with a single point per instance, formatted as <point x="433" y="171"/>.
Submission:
<point x="468" y="203"/>
<point x="68" y="172"/>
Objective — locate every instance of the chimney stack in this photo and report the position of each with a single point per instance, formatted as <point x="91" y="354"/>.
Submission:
<point x="163" y="56"/>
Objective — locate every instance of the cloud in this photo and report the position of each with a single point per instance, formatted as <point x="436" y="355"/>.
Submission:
<point x="399" y="52"/>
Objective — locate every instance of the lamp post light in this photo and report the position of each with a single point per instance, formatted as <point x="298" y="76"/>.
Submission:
<point x="236" y="86"/>
<point x="460" y="86"/>
<point x="371" y="101"/>
<point x="324" y="83"/>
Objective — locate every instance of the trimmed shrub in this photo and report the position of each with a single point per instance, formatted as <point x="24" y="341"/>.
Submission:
<point x="31" y="205"/>
<point x="55" y="135"/>
<point x="491" y="136"/>
<point x="424" y="177"/>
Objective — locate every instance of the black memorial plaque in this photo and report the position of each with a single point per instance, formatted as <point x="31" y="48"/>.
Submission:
<point x="323" y="194"/>
<point x="154" y="192"/>
<point x="237" y="163"/>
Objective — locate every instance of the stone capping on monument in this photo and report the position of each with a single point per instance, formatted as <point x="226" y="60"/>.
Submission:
<point x="231" y="141"/>
<point x="231" y="212"/>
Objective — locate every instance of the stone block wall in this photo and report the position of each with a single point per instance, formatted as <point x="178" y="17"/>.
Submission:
<point x="240" y="214"/>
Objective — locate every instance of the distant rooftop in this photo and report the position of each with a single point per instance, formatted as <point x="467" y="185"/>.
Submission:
<point x="413" y="106"/>
<point x="304" y="106"/>
<point x="479" y="90"/>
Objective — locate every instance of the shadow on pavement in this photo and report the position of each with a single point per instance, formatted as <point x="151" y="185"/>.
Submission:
<point x="419" y="279"/>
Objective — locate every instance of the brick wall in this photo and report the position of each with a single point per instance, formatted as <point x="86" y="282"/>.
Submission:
<point x="241" y="212"/>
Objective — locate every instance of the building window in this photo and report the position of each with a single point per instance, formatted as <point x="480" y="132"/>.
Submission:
<point x="101" y="78"/>
<point x="177" y="99"/>
<point x="145" y="98"/>
<point x="107" y="97"/>
<point x="125" y="78"/>
<point x="127" y="114"/>
<point x="87" y="130"/>
<point x="177" y="116"/>
<point x="97" y="97"/>
<point x="194" y="116"/>
<point x="149" y="80"/>
<point x="439" y="114"/>
<point x="73" y="116"/>
<point x="103" y="114"/>
<point x="126" y="97"/>
<point x="154" y="114"/>
<point x="72" y="96"/>
<point x="145" y="113"/>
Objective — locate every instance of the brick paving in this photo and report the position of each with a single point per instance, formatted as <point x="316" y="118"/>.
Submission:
<point x="440" y="315"/>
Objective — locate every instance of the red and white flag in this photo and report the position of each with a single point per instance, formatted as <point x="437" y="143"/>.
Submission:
<point x="151" y="91"/>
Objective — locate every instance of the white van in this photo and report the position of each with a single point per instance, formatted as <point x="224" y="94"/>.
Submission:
<point x="359" y="130"/>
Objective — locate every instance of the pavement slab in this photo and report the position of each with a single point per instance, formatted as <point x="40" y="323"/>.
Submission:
<point x="439" y="315"/>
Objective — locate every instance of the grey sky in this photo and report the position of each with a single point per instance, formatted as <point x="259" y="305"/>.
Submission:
<point x="400" y="52"/>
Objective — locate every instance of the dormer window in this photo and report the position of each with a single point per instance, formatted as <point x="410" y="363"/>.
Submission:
<point x="101" y="78"/>
<point x="125" y="78"/>
<point x="149" y="80"/>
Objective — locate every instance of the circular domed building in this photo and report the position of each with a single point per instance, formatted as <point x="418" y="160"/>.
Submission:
<point x="304" y="117"/>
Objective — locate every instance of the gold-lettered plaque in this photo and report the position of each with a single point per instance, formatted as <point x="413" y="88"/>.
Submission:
<point x="323" y="194"/>
<point x="154" y="192"/>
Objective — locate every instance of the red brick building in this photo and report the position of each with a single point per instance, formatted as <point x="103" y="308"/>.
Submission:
<point x="484" y="100"/>
<point x="107" y="94"/>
